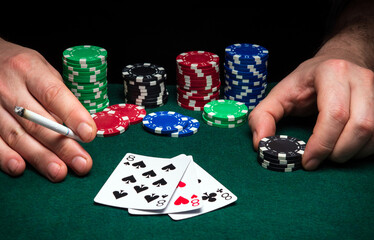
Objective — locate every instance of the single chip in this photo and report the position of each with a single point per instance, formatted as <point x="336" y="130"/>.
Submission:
<point x="198" y="59"/>
<point x="282" y="147"/>
<point x="109" y="123"/>
<point x="143" y="72"/>
<point x="229" y="110"/>
<point x="135" y="113"/>
<point x="191" y="128"/>
<point x="277" y="161"/>
<point x="277" y="169"/>
<point x="222" y="125"/>
<point x="279" y="165"/>
<point x="85" y="54"/>
<point x="164" y="122"/>
<point x="247" y="52"/>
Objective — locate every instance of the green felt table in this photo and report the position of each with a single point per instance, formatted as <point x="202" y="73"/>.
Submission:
<point x="334" y="202"/>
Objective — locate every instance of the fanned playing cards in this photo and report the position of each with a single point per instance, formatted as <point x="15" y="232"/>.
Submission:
<point x="152" y="186"/>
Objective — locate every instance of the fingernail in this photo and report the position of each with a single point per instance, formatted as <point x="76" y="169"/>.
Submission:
<point x="254" y="137"/>
<point x="312" y="164"/>
<point x="53" y="170"/>
<point x="84" y="130"/>
<point x="79" y="164"/>
<point x="12" y="165"/>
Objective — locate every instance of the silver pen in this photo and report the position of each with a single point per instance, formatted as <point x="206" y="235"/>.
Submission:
<point x="38" y="119"/>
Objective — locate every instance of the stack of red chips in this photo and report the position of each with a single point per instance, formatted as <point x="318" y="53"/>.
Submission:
<point x="198" y="79"/>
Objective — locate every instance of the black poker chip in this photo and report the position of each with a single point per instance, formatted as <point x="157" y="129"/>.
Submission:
<point x="278" y="165"/>
<point x="143" y="72"/>
<point x="278" y="169"/>
<point x="278" y="161"/>
<point x="281" y="147"/>
<point x="281" y="153"/>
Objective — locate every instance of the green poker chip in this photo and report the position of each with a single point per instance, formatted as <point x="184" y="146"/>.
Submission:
<point x="85" y="54"/>
<point x="218" y="121"/>
<point x="225" y="110"/>
<point x="222" y="125"/>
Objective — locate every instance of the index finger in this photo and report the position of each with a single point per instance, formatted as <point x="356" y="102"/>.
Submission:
<point x="52" y="93"/>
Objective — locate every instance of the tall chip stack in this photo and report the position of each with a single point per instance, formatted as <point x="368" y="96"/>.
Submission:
<point x="144" y="85"/>
<point x="245" y="73"/>
<point x="85" y="74"/>
<point x="198" y="79"/>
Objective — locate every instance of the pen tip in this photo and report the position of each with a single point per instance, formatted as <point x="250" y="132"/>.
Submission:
<point x="19" y="110"/>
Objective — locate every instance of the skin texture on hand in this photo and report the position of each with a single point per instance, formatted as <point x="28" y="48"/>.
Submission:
<point x="28" y="80"/>
<point x="338" y="85"/>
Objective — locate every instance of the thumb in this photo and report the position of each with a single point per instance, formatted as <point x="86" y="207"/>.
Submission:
<point x="263" y="118"/>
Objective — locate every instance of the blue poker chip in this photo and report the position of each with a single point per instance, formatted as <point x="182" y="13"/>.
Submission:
<point x="254" y="100"/>
<point x="191" y="128"/>
<point x="244" y="67"/>
<point x="247" y="74"/>
<point x="247" y="52"/>
<point x="165" y="122"/>
<point x="244" y="91"/>
<point x="239" y="97"/>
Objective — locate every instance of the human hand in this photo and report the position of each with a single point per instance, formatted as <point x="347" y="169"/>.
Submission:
<point x="341" y="92"/>
<point x="28" y="80"/>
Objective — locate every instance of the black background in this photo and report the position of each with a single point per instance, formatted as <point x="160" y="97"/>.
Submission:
<point x="292" y="33"/>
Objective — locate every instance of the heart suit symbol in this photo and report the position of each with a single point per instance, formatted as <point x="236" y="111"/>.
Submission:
<point x="181" y="200"/>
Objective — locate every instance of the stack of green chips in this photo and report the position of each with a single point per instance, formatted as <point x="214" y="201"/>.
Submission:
<point x="85" y="74"/>
<point x="225" y="113"/>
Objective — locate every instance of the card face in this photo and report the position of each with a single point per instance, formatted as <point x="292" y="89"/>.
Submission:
<point x="143" y="182"/>
<point x="214" y="195"/>
<point x="186" y="197"/>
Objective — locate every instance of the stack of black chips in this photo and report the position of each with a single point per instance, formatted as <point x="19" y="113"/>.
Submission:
<point x="281" y="153"/>
<point x="144" y="85"/>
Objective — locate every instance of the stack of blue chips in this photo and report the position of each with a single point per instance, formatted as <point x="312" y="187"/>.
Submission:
<point x="245" y="73"/>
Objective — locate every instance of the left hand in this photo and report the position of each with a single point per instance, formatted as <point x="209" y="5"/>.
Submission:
<point x="341" y="91"/>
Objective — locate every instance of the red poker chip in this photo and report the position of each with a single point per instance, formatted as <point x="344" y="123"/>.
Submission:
<point x="199" y="97"/>
<point x="182" y="81"/>
<point x="196" y="93"/>
<point x="189" y="107"/>
<point x="198" y="59"/>
<point x="182" y="70"/>
<point x="198" y="77"/>
<point x="205" y="89"/>
<point x="134" y="112"/>
<point x="194" y="103"/>
<point x="109" y="123"/>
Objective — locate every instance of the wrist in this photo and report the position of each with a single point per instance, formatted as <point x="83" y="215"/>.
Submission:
<point x="350" y="48"/>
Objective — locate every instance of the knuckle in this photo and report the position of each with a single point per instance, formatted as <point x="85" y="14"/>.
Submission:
<point x="363" y="127"/>
<point x="337" y="64"/>
<point x="51" y="94"/>
<point x="13" y="136"/>
<point x="368" y="76"/>
<point x="339" y="114"/>
<point x="22" y="61"/>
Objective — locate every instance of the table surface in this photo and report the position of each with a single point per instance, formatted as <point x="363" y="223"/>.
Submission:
<point x="335" y="202"/>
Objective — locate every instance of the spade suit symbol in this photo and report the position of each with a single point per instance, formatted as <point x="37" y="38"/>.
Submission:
<point x="168" y="168"/>
<point x="129" y="179"/>
<point x="138" y="165"/>
<point x="149" y="174"/>
<point x="160" y="182"/>
<point x="119" y="194"/>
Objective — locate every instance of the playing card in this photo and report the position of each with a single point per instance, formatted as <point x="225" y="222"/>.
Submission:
<point x="186" y="197"/>
<point x="215" y="195"/>
<point x="143" y="182"/>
